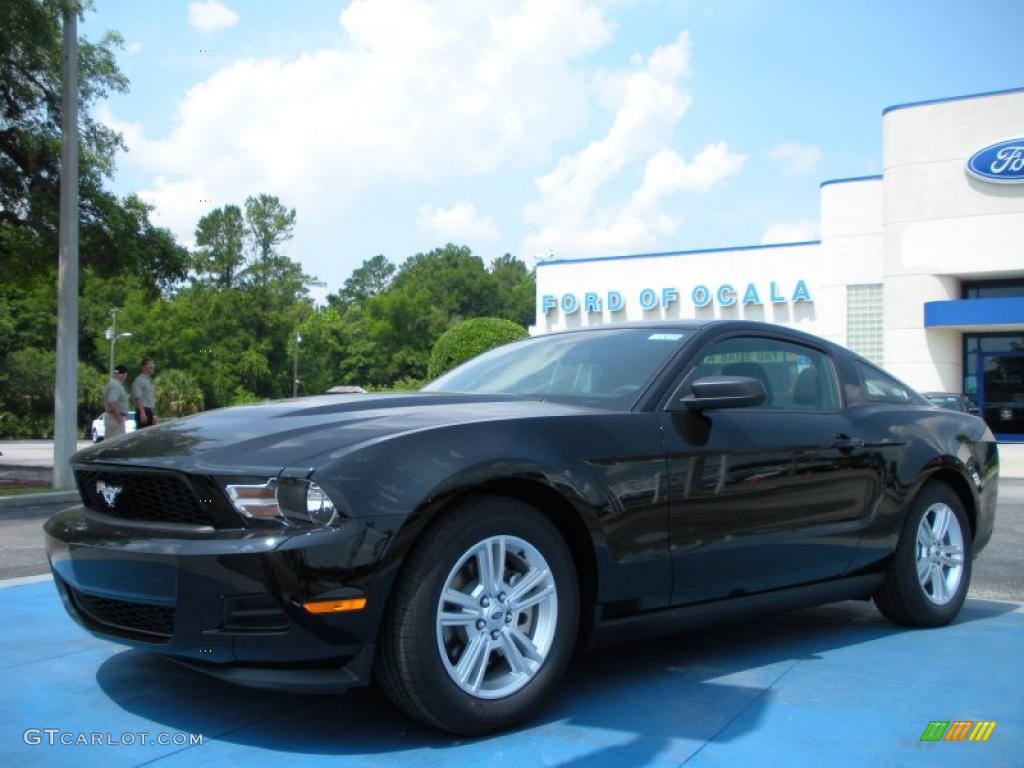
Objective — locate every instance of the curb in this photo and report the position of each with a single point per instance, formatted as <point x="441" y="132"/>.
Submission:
<point x="32" y="499"/>
<point x="19" y="581"/>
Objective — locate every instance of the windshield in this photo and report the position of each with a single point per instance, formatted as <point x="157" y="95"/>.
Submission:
<point x="608" y="366"/>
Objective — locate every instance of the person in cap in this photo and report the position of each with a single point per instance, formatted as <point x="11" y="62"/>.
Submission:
<point x="116" y="404"/>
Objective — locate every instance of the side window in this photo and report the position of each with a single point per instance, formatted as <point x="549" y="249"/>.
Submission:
<point x="880" y="388"/>
<point x="795" y="377"/>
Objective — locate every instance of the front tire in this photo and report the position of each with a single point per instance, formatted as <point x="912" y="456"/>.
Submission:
<point x="930" y="573"/>
<point x="483" y="620"/>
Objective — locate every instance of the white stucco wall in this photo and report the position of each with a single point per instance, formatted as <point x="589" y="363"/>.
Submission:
<point x="851" y="247"/>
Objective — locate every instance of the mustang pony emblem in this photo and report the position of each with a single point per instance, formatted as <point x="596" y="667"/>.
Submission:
<point x="108" y="492"/>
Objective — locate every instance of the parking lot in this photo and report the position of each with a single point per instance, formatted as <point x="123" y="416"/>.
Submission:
<point x="836" y="685"/>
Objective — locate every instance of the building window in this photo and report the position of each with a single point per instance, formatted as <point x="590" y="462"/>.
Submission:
<point x="992" y="289"/>
<point x="864" y="320"/>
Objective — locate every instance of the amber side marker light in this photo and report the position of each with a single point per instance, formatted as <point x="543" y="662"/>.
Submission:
<point x="336" y="606"/>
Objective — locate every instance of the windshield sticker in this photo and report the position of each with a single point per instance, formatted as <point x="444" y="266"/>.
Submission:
<point x="665" y="337"/>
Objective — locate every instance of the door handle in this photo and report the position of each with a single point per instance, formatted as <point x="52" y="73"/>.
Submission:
<point x="846" y="443"/>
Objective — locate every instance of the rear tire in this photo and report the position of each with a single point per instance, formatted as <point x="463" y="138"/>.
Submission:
<point x="471" y="653"/>
<point x="930" y="573"/>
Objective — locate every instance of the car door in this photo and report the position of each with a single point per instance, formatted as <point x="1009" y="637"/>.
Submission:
<point x="767" y="496"/>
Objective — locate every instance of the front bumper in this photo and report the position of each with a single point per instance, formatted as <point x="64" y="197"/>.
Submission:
<point x="228" y="602"/>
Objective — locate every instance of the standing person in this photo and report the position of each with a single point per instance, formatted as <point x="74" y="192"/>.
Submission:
<point x="144" y="394"/>
<point x="116" y="404"/>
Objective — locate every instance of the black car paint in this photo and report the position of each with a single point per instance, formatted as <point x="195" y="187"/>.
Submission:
<point x="800" y="517"/>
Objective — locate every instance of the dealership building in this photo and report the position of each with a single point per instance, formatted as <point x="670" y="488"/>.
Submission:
<point x="919" y="269"/>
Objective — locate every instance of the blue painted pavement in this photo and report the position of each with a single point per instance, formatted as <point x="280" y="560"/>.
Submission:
<point x="835" y="686"/>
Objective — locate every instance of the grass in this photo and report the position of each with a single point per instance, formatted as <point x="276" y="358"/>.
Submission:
<point x="11" y="491"/>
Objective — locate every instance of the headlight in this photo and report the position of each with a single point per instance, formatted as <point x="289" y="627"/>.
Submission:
<point x="295" y="501"/>
<point x="319" y="506"/>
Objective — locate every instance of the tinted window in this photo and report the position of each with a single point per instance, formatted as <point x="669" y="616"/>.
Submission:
<point x="795" y="377"/>
<point x="609" y="366"/>
<point x="879" y="387"/>
<point x="992" y="289"/>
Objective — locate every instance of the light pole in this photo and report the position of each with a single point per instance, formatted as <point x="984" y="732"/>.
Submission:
<point x="112" y="336"/>
<point x="295" y="372"/>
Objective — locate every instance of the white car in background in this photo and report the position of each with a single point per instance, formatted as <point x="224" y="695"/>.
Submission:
<point x="99" y="430"/>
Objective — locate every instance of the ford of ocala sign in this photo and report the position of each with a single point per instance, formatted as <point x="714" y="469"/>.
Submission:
<point x="1002" y="163"/>
<point x="725" y="295"/>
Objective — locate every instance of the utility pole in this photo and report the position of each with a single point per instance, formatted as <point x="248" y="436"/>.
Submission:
<point x="295" y="373"/>
<point x="112" y="336"/>
<point x="65" y="398"/>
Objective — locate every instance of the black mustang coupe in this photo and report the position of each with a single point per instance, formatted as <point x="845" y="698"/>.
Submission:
<point x="456" y="545"/>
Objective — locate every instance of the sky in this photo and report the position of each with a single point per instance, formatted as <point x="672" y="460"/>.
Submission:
<point x="540" y="128"/>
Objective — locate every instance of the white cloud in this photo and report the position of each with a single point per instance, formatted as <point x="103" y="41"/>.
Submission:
<point x="792" y="232"/>
<point x="667" y="173"/>
<point x="133" y="48"/>
<point x="651" y="102"/>
<point x="429" y="93"/>
<point x="211" y="15"/>
<point x="796" y="157"/>
<point x="418" y="92"/>
<point x="460" y="223"/>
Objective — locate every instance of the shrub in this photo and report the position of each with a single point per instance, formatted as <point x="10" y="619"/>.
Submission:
<point x="468" y="339"/>
<point x="405" y="384"/>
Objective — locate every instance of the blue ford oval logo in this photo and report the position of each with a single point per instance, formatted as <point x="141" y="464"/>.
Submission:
<point x="1002" y="163"/>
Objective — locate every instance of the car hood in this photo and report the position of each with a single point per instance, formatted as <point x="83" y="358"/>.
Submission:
<point x="271" y="436"/>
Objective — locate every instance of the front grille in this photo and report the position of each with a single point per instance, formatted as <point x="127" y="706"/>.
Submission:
<point x="152" y="497"/>
<point x="152" y="623"/>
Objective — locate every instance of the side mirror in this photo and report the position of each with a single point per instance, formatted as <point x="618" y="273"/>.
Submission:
<point x="714" y="392"/>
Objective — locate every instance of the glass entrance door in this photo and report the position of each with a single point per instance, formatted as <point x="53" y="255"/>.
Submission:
<point x="994" y="380"/>
<point x="1001" y="396"/>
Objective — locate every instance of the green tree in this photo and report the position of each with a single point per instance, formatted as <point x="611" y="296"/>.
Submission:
<point x="90" y="394"/>
<point x="517" y="289"/>
<point x="388" y="337"/>
<point x="177" y="394"/>
<point x="115" y="234"/>
<point x="371" y="279"/>
<point x="269" y="224"/>
<point x="220" y="237"/>
<point x="321" y="351"/>
<point x="451" y="279"/>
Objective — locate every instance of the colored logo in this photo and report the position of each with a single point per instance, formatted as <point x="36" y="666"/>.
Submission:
<point x="108" y="492"/>
<point x="958" y="730"/>
<point x="1002" y="163"/>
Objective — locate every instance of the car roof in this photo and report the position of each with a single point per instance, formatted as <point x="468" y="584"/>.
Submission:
<point x="709" y="325"/>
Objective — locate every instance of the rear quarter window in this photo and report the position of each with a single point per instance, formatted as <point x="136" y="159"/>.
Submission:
<point x="879" y="387"/>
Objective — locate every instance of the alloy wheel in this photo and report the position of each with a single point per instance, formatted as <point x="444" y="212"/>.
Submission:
<point x="496" y="617"/>
<point x="940" y="553"/>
